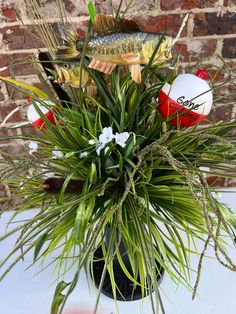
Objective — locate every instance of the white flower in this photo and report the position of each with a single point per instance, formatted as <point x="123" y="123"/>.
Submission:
<point x="33" y="147"/>
<point x="57" y="154"/>
<point x="121" y="138"/>
<point x="99" y="148"/>
<point x="106" y="136"/>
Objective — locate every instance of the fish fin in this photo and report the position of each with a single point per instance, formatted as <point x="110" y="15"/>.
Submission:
<point x="65" y="32"/>
<point x="69" y="48"/>
<point x="92" y="90"/>
<point x="104" y="24"/>
<point x="130" y="57"/>
<point x="135" y="71"/>
<point x="102" y="66"/>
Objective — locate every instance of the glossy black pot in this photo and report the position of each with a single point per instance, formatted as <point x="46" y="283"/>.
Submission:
<point x="124" y="284"/>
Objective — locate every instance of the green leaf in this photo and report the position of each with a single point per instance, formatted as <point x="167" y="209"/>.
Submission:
<point x="60" y="196"/>
<point x="92" y="11"/>
<point x="93" y="174"/>
<point x="58" y="297"/>
<point x="25" y="86"/>
<point x="70" y="154"/>
<point x="130" y="146"/>
<point x="39" y="245"/>
<point x="80" y="223"/>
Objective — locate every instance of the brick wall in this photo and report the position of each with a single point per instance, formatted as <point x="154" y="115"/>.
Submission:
<point x="210" y="32"/>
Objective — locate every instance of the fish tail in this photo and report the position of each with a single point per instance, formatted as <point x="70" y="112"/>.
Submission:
<point x="69" y="48"/>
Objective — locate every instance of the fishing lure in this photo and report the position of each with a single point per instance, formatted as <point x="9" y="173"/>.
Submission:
<point x="117" y="42"/>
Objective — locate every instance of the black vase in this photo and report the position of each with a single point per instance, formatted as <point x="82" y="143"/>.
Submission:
<point x="124" y="284"/>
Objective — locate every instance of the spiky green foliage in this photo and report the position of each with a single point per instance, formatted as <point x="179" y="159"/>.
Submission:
<point x="148" y="193"/>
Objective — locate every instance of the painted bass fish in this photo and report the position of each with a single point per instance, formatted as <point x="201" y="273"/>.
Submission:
<point x="118" y="42"/>
<point x="69" y="72"/>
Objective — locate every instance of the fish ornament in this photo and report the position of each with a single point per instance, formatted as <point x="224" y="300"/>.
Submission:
<point x="117" y="42"/>
<point x="69" y="72"/>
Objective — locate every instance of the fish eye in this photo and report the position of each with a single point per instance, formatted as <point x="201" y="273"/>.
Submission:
<point x="66" y="66"/>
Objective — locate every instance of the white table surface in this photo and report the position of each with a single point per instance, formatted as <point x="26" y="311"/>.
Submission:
<point x="22" y="292"/>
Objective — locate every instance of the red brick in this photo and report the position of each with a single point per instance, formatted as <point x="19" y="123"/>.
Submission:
<point x="220" y="93"/>
<point x="15" y="94"/>
<point x="216" y="181"/>
<point x="227" y="23"/>
<point x="221" y="112"/>
<point x="21" y="37"/>
<point x="13" y="148"/>
<point x="230" y="182"/>
<point x="6" y="109"/>
<point x="11" y="204"/>
<point x="69" y="6"/>
<point x="81" y="28"/>
<point x="3" y="94"/>
<point x="215" y="74"/>
<point x="224" y="99"/>
<point x="72" y="7"/>
<point x="213" y="23"/>
<point x="229" y="3"/>
<point x="21" y="64"/>
<point x="23" y="112"/>
<point x="230" y="66"/>
<point x="205" y="24"/>
<point x="137" y="6"/>
<point x="4" y="63"/>
<point x="9" y="14"/>
<point x="29" y="130"/>
<point x="4" y="134"/>
<point x="232" y="92"/>
<point x="196" y="49"/>
<point x="183" y="52"/>
<point x="163" y="23"/>
<point x="2" y="97"/>
<point x="3" y="190"/>
<point x="229" y="48"/>
<point x="187" y="5"/>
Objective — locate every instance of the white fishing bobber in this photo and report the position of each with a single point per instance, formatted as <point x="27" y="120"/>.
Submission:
<point x="187" y="101"/>
<point x="34" y="117"/>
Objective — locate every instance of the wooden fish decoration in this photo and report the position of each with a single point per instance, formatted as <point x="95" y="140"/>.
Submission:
<point x="118" y="42"/>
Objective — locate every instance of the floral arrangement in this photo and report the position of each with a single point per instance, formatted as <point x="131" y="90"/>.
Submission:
<point x="107" y="171"/>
